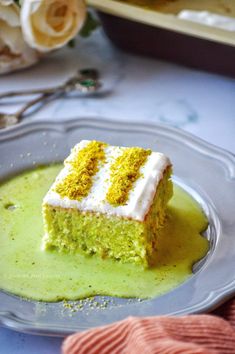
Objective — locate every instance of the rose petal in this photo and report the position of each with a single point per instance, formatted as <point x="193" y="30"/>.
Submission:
<point x="10" y="14"/>
<point x="14" y="52"/>
<point x="50" y="24"/>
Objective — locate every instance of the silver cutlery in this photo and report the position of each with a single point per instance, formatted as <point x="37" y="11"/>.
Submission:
<point x="9" y="119"/>
<point x="85" y="81"/>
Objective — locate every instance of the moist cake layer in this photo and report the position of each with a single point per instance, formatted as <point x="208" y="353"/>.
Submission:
<point x="125" y="240"/>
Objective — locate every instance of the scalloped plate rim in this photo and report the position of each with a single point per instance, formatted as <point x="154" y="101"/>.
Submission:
<point x="215" y="297"/>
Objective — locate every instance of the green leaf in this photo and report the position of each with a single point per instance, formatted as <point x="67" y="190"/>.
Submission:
<point x="90" y="25"/>
<point x="72" y="43"/>
<point x="18" y="2"/>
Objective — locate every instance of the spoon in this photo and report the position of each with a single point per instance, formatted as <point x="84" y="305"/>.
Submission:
<point x="84" y="83"/>
<point x="9" y="119"/>
<point x="85" y="80"/>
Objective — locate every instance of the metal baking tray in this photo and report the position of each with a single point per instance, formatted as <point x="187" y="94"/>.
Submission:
<point x="161" y="34"/>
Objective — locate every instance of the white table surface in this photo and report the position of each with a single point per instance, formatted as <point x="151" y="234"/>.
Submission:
<point x="134" y="89"/>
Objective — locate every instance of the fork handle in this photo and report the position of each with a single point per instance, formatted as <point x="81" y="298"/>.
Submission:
<point x="30" y="104"/>
<point x="84" y="74"/>
<point x="29" y="92"/>
<point x="41" y="98"/>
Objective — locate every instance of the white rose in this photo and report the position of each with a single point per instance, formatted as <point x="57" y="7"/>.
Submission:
<point x="50" y="24"/>
<point x="14" y="52"/>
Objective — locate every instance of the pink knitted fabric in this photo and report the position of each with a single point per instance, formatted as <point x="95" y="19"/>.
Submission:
<point x="207" y="334"/>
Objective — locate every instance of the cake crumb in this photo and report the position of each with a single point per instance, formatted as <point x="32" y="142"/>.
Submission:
<point x="84" y="166"/>
<point x="124" y="172"/>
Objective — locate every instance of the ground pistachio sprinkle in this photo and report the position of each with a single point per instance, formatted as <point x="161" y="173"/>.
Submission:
<point x="84" y="166"/>
<point x="124" y="172"/>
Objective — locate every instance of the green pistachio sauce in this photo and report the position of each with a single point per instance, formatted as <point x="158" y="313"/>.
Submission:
<point x="28" y="271"/>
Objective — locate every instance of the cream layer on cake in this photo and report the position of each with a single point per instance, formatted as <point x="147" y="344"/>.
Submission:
<point x="140" y="197"/>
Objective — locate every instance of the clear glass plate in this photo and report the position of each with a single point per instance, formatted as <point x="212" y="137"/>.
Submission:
<point x="205" y="171"/>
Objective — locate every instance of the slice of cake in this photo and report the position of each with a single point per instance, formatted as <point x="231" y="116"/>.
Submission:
<point x="109" y="201"/>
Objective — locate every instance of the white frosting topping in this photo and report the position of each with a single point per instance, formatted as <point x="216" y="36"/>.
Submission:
<point x="208" y="18"/>
<point x="140" y="197"/>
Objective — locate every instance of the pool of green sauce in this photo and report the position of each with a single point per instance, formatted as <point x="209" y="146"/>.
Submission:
<point x="28" y="271"/>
